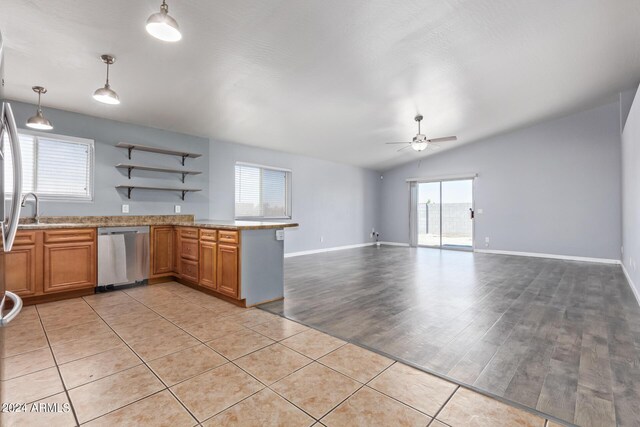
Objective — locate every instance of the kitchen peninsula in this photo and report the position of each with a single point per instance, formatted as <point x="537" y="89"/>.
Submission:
<point x="239" y="261"/>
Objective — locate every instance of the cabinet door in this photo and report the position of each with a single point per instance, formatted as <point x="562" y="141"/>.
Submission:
<point x="69" y="266"/>
<point x="208" y="254"/>
<point x="228" y="270"/>
<point x="21" y="269"/>
<point x="163" y="247"/>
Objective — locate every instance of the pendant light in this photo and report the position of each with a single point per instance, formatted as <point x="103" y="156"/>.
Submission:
<point x="162" y="26"/>
<point x="105" y="94"/>
<point x="39" y="121"/>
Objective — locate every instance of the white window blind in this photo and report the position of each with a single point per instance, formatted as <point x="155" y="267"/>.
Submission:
<point x="262" y="192"/>
<point x="54" y="167"/>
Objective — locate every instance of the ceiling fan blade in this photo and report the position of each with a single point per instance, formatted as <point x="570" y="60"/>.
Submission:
<point x="405" y="142"/>
<point x="444" y="139"/>
<point x="404" y="148"/>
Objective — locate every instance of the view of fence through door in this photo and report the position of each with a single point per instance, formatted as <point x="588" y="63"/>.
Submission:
<point x="444" y="217"/>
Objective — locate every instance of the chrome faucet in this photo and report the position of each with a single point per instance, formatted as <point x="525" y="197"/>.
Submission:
<point x="35" y="197"/>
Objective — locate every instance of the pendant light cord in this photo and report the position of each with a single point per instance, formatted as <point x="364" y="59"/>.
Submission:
<point x="108" y="73"/>
<point x="39" y="95"/>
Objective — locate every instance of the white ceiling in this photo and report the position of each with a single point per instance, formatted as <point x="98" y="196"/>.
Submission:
<point x="333" y="79"/>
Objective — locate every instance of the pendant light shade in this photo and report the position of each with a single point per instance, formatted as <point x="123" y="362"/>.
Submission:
<point x="105" y="94"/>
<point x="162" y="26"/>
<point x="38" y="121"/>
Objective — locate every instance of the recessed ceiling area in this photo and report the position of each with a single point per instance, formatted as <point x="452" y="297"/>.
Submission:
<point x="332" y="79"/>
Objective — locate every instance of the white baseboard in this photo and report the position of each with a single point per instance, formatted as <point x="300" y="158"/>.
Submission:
<point x="336" y="248"/>
<point x="552" y="256"/>
<point x="635" y="291"/>
<point x="395" y="244"/>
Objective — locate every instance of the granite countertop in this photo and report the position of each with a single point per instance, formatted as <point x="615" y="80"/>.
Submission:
<point x="142" y="220"/>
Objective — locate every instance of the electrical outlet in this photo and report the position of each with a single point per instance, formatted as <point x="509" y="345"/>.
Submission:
<point x="373" y="233"/>
<point x="125" y="208"/>
<point x="177" y="209"/>
<point x="321" y="239"/>
<point x="486" y="241"/>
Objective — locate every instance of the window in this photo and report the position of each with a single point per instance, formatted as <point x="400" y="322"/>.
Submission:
<point x="53" y="166"/>
<point x="262" y="192"/>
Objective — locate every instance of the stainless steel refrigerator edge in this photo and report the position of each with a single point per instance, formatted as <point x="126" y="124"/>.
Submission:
<point x="8" y="217"/>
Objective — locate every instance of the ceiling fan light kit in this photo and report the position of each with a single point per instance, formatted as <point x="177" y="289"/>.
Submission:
<point x="420" y="141"/>
<point x="38" y="121"/>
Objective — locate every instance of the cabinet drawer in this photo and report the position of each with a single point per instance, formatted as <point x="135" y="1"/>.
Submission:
<point x="225" y="236"/>
<point x="208" y="235"/>
<point x="72" y="235"/>
<point x="189" y="249"/>
<point x="25" y="238"/>
<point x="189" y="233"/>
<point x="189" y="270"/>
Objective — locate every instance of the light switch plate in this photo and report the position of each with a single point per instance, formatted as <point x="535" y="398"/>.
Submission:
<point x="125" y="208"/>
<point x="177" y="209"/>
<point x="480" y="211"/>
<point x="279" y="234"/>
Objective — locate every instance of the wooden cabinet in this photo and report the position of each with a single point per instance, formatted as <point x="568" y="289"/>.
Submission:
<point x="228" y="270"/>
<point x="23" y="266"/>
<point x="162" y="251"/>
<point x="208" y="263"/>
<point x="69" y="266"/>
<point x="45" y="262"/>
<point x="70" y="260"/>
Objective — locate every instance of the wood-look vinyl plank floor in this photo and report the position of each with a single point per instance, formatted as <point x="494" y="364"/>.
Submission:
<point x="559" y="336"/>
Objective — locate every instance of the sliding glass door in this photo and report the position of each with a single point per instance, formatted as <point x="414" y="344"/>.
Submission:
<point x="445" y="214"/>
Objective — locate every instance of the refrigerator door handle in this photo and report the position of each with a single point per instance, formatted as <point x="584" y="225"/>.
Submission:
<point x="17" y="306"/>
<point x="10" y="228"/>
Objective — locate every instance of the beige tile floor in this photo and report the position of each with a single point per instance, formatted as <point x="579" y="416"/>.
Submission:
<point x="168" y="355"/>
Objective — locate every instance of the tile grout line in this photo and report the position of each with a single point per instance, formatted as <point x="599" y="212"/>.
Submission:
<point x="55" y="360"/>
<point x="435" y="416"/>
<point x="231" y="362"/>
<point x="236" y="365"/>
<point x="362" y="385"/>
<point x="143" y="363"/>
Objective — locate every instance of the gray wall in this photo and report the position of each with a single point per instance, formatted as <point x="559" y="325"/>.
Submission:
<point x="107" y="133"/>
<point x="331" y="200"/>
<point x="550" y="188"/>
<point x="631" y="193"/>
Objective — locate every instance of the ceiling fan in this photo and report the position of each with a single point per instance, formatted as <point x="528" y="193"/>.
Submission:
<point x="420" y="141"/>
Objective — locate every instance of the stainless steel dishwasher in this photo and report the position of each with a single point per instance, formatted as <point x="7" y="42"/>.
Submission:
<point x="123" y="257"/>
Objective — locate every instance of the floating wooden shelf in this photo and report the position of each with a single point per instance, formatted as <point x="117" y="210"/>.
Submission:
<point x="156" y="169"/>
<point x="157" y="150"/>
<point x="130" y="188"/>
